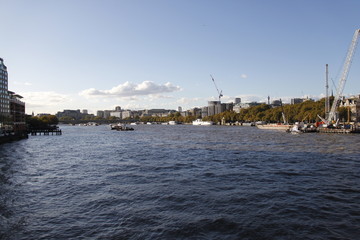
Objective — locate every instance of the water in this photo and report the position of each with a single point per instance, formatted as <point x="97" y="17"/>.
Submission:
<point x="180" y="182"/>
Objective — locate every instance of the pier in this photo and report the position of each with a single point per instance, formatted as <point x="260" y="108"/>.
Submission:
<point x="339" y="131"/>
<point x="35" y="132"/>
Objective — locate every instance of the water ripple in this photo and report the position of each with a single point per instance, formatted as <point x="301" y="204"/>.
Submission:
<point x="180" y="182"/>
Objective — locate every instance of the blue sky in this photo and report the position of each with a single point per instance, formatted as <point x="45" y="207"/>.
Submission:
<point x="139" y="54"/>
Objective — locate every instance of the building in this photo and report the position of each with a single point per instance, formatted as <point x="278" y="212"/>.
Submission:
<point x="12" y="109"/>
<point x="107" y="113"/>
<point x="297" y="100"/>
<point x="4" y="94"/>
<point x="100" y="114"/>
<point x="214" y="107"/>
<point x="17" y="112"/>
<point x="116" y="114"/>
<point x="227" y="107"/>
<point x="74" y="114"/>
<point x="353" y="104"/>
<point x="237" y="107"/>
<point x="157" y="112"/>
<point x="276" y="103"/>
<point x="126" y="114"/>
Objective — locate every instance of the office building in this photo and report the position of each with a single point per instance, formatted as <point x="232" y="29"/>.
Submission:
<point x="4" y="94"/>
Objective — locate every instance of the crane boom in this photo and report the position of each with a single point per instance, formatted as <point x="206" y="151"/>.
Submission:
<point x="344" y="75"/>
<point x="219" y="92"/>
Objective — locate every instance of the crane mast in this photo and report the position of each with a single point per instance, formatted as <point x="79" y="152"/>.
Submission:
<point x="219" y="92"/>
<point x="345" y="72"/>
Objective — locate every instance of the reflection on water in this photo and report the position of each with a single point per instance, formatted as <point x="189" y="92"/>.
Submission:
<point x="180" y="182"/>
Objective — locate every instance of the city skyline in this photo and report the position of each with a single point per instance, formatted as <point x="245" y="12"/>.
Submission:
<point x="143" y="55"/>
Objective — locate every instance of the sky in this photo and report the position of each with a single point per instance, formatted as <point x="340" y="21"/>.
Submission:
<point x="140" y="54"/>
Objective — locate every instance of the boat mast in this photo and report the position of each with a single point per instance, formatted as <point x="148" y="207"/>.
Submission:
<point x="327" y="100"/>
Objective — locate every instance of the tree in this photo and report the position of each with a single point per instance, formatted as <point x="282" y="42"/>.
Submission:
<point x="49" y="119"/>
<point x="46" y="121"/>
<point x="66" y="118"/>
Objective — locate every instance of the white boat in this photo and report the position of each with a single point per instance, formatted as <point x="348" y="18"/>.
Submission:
<point x="199" y="122"/>
<point x="295" y="129"/>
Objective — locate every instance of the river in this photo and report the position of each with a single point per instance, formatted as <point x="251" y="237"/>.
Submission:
<point x="180" y="182"/>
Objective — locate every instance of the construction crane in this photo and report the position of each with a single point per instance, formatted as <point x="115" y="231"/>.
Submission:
<point x="219" y="92"/>
<point x="332" y="114"/>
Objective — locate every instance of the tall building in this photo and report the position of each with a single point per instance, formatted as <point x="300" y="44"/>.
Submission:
<point x="4" y="95"/>
<point x="17" y="112"/>
<point x="100" y="113"/>
<point x="214" y="107"/>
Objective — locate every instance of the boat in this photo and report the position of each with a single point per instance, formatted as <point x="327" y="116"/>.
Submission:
<point x="275" y="126"/>
<point x="199" y="122"/>
<point x="300" y="127"/>
<point x="121" y="127"/>
<point x="296" y="129"/>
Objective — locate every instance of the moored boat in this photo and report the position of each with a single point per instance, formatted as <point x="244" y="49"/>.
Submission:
<point x="121" y="127"/>
<point x="199" y="122"/>
<point x="281" y="127"/>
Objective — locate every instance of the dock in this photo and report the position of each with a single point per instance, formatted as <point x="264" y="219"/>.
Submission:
<point x="35" y="132"/>
<point x="338" y="130"/>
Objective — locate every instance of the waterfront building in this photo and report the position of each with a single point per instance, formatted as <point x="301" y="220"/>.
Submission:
<point x="237" y="107"/>
<point x="75" y="114"/>
<point x="126" y="114"/>
<point x="276" y="103"/>
<point x="100" y="114"/>
<point x="204" y="112"/>
<point x="157" y="112"/>
<point x="227" y="107"/>
<point x="17" y="112"/>
<point x="353" y="104"/>
<point x="116" y="114"/>
<point x="297" y="100"/>
<point x="4" y="95"/>
<point x="107" y="113"/>
<point x="195" y="112"/>
<point x="214" y="107"/>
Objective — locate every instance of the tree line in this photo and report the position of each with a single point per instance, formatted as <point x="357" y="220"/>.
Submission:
<point x="307" y="111"/>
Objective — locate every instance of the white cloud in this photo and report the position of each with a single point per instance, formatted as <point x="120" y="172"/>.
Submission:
<point x="128" y="89"/>
<point x="23" y="83"/>
<point x="44" y="99"/>
<point x="243" y="76"/>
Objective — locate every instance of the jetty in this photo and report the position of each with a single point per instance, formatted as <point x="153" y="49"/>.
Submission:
<point x="338" y="130"/>
<point x="34" y="132"/>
